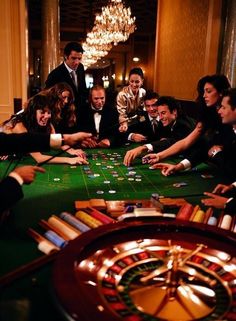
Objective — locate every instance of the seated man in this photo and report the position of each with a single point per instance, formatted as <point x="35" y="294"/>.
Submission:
<point x="148" y="128"/>
<point x="101" y="120"/>
<point x="224" y="155"/>
<point x="176" y="126"/>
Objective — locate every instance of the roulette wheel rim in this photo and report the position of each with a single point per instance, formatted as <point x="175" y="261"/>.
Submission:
<point x="82" y="297"/>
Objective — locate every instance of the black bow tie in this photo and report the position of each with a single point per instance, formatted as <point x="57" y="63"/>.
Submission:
<point x="97" y="111"/>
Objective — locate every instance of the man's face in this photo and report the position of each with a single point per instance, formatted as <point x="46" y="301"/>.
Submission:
<point x="98" y="98"/>
<point x="74" y="59"/>
<point x="227" y="114"/>
<point x="151" y="108"/>
<point x="166" y="117"/>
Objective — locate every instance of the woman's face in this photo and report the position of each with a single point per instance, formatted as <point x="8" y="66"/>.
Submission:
<point x="211" y="95"/>
<point x="43" y="116"/>
<point x="135" y="82"/>
<point x="65" y="97"/>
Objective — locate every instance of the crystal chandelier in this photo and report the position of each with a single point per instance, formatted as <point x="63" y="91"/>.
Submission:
<point x="114" y="24"/>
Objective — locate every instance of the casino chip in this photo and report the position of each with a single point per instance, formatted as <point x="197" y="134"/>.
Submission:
<point x="112" y="191"/>
<point x="100" y="192"/>
<point x="106" y="182"/>
<point x="56" y="179"/>
<point x="181" y="184"/>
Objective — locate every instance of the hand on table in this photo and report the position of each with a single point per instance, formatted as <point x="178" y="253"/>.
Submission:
<point x="104" y="143"/>
<point x="76" y="152"/>
<point x="221" y="188"/>
<point x="132" y="154"/>
<point x="77" y="161"/>
<point x="214" y="200"/>
<point x="28" y="173"/>
<point x="90" y="142"/>
<point x="166" y="169"/>
<point x="151" y="158"/>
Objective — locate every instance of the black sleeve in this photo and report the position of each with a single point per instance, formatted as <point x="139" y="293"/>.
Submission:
<point x="230" y="207"/>
<point x="11" y="192"/>
<point x="24" y="143"/>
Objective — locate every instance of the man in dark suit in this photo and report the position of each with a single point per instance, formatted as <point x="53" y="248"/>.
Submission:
<point x="100" y="119"/>
<point x="175" y="125"/>
<point x="11" y="186"/>
<point x="72" y="72"/>
<point x="148" y="127"/>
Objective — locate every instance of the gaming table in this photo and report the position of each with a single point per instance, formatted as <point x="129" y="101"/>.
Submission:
<point x="30" y="295"/>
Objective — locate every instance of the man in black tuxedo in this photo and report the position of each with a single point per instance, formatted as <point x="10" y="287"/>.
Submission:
<point x="175" y="125"/>
<point x="100" y="119"/>
<point x="11" y="186"/>
<point x="72" y="72"/>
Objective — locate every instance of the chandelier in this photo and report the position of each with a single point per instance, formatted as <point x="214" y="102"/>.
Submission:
<point x="114" y="24"/>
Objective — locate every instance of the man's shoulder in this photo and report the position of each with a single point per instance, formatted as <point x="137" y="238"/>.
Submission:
<point x="58" y="69"/>
<point x="186" y="121"/>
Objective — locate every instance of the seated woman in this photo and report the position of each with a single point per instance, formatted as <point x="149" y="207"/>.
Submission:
<point x="64" y="120"/>
<point x="37" y="118"/>
<point x="209" y="129"/>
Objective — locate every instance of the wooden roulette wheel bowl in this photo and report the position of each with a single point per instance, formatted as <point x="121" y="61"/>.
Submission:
<point x="148" y="270"/>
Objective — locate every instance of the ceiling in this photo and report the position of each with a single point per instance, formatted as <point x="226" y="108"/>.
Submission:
<point x="77" y="17"/>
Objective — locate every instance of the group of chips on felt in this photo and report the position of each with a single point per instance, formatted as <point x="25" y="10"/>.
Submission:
<point x="102" y="161"/>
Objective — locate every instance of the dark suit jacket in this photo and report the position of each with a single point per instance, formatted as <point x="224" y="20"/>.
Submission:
<point x="145" y="128"/>
<point x="230" y="207"/>
<point x="10" y="191"/>
<point x="171" y="134"/>
<point x="61" y="74"/>
<point x="109" y="124"/>
<point x="23" y="143"/>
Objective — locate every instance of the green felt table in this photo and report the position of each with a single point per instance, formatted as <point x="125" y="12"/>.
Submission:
<point x="58" y="189"/>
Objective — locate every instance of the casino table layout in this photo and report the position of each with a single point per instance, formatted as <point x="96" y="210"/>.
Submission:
<point x="105" y="177"/>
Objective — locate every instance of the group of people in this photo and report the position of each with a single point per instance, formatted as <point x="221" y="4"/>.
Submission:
<point x="62" y="115"/>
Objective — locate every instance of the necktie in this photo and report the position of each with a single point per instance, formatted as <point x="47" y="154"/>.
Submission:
<point x="154" y="125"/>
<point x="74" y="78"/>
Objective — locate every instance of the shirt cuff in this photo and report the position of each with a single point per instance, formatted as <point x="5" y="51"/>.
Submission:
<point x="234" y="184"/>
<point x="149" y="147"/>
<point x="228" y="200"/>
<point x="130" y="136"/>
<point x="56" y="141"/>
<point x="186" y="163"/>
<point x="17" y="177"/>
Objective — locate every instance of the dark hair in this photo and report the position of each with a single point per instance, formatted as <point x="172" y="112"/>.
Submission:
<point x="220" y="83"/>
<point x="151" y="95"/>
<point x="68" y="111"/>
<point x="171" y="102"/>
<point x="72" y="46"/>
<point x="231" y="93"/>
<point x="136" y="71"/>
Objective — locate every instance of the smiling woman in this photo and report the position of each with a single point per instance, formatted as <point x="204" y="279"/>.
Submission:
<point x="37" y="117"/>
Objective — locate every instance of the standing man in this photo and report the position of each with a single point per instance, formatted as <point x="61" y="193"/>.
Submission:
<point x="100" y="119"/>
<point x="72" y="72"/>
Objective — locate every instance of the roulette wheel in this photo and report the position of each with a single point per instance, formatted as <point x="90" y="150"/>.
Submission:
<point x="148" y="270"/>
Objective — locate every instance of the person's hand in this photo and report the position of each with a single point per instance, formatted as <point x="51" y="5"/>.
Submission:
<point x="104" y="143"/>
<point x="73" y="139"/>
<point x="123" y="127"/>
<point x="3" y="157"/>
<point x="28" y="173"/>
<point x="215" y="200"/>
<point x="132" y="154"/>
<point x="150" y="159"/>
<point x="166" y="169"/>
<point x="76" y="152"/>
<point x="214" y="150"/>
<point x="77" y="161"/>
<point x="221" y="188"/>
<point x="90" y="142"/>
<point x="138" y="138"/>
